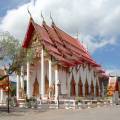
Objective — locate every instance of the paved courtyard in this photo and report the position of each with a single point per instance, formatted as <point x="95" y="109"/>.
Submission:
<point x="101" y="113"/>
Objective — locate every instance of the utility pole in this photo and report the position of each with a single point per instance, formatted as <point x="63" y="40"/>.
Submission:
<point x="8" y="95"/>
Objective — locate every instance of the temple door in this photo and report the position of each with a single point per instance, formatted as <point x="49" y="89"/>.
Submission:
<point x="86" y="88"/>
<point x="72" y="90"/>
<point x="80" y="90"/>
<point x="54" y="88"/>
<point x="36" y="88"/>
<point x="97" y="89"/>
<point x="92" y="88"/>
<point x="46" y="85"/>
<point x="117" y="86"/>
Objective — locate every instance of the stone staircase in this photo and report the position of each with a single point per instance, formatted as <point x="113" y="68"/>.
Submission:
<point x="3" y="108"/>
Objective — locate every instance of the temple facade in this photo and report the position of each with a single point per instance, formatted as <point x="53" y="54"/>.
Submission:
<point x="3" y="88"/>
<point x="61" y="65"/>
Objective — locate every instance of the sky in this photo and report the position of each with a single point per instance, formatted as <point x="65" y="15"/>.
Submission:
<point x="97" y="23"/>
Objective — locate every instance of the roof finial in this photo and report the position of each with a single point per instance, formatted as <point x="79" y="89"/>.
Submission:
<point x="82" y="42"/>
<point x="86" y="46"/>
<point x="78" y="35"/>
<point x="29" y="12"/>
<point x="42" y="17"/>
<point x="51" y="19"/>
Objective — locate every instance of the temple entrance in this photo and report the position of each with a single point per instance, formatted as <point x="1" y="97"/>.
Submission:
<point x="36" y="88"/>
<point x="97" y="89"/>
<point x="72" y="87"/>
<point x="46" y="85"/>
<point x="92" y="89"/>
<point x="86" y="88"/>
<point x="80" y="90"/>
<point x="51" y="90"/>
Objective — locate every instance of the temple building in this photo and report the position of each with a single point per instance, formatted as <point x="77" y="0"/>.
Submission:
<point x="3" y="88"/>
<point x="61" y="65"/>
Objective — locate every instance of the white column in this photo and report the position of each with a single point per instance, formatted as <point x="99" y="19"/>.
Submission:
<point x="76" y="88"/>
<point x="17" y="86"/>
<point x="22" y="78"/>
<point x="1" y="96"/>
<point x="28" y="80"/>
<point x="56" y="82"/>
<point x="50" y="73"/>
<point x="42" y="74"/>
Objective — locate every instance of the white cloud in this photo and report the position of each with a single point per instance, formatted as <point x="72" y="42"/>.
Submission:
<point x="113" y="71"/>
<point x="92" y="43"/>
<point x="15" y="21"/>
<point x="89" y="17"/>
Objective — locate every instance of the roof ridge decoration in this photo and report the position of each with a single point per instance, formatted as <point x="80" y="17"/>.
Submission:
<point x="43" y="18"/>
<point x="29" y="29"/>
<point x="29" y="12"/>
<point x="31" y="18"/>
<point x="52" y="19"/>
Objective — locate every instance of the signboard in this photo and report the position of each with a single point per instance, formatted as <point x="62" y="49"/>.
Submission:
<point x="111" y="86"/>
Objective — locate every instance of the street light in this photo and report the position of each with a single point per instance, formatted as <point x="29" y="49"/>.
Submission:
<point x="59" y="91"/>
<point x="7" y="88"/>
<point x="8" y="95"/>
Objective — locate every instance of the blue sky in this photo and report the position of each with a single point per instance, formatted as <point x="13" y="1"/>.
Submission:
<point x="108" y="56"/>
<point x="9" y="4"/>
<point x="97" y="21"/>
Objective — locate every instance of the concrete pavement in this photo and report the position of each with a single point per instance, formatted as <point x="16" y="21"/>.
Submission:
<point x="101" y="113"/>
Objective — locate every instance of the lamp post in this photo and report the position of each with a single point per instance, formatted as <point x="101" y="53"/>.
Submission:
<point x="8" y="95"/>
<point x="58" y="85"/>
<point x="7" y="88"/>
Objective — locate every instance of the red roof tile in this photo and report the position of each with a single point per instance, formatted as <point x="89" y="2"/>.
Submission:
<point x="66" y="49"/>
<point x="40" y="30"/>
<point x="75" y="44"/>
<point x="60" y="45"/>
<point x="52" y="33"/>
<point x="69" y="39"/>
<point x="60" y="58"/>
<point x="43" y="34"/>
<point x="100" y="70"/>
<point x="28" y="34"/>
<point x="52" y="48"/>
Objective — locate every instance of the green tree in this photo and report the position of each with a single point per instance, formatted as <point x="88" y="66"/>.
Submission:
<point x="12" y="55"/>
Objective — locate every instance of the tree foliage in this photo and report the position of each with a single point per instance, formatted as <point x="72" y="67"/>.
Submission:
<point x="9" y="46"/>
<point x="12" y="55"/>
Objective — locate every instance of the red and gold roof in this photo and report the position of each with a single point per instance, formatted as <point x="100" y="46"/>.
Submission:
<point x="63" y="47"/>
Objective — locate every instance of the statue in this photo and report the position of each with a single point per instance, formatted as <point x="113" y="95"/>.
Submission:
<point x="22" y="93"/>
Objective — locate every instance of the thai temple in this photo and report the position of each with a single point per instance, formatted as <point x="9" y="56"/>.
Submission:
<point x="3" y="88"/>
<point x="61" y="65"/>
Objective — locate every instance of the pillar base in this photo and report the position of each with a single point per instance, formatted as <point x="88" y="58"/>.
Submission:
<point x="21" y="102"/>
<point x="2" y="104"/>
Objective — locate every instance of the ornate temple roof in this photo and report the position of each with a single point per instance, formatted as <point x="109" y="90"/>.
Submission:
<point x="63" y="47"/>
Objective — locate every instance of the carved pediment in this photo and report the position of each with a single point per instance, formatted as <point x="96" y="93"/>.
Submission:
<point x="35" y="41"/>
<point x="35" y="45"/>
